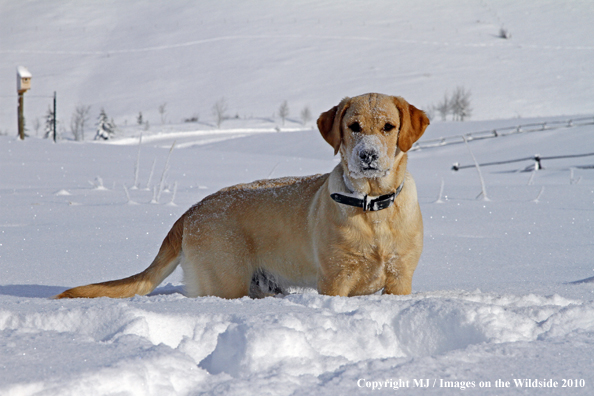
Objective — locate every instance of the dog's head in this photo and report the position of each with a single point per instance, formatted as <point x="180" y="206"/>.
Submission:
<point x="370" y="131"/>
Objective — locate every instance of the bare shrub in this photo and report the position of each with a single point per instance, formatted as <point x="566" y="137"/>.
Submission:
<point x="504" y="33"/>
<point x="283" y="111"/>
<point x="194" y="118"/>
<point x="444" y="107"/>
<point x="305" y="115"/>
<point x="458" y="105"/>
<point x="460" y="102"/>
<point x="78" y="120"/>
<point x="219" y="110"/>
<point x="162" y="111"/>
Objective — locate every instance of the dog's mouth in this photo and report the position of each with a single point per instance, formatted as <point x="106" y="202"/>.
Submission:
<point x="360" y="169"/>
<point x="368" y="173"/>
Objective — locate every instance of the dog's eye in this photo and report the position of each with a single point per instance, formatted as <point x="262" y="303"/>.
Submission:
<point x="388" y="127"/>
<point x="355" y="127"/>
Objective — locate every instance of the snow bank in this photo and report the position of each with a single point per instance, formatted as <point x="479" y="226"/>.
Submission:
<point x="169" y="344"/>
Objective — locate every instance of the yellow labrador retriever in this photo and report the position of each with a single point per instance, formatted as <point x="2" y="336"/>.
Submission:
<point x="351" y="232"/>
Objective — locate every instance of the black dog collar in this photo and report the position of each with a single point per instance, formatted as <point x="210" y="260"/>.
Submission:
<point x="368" y="203"/>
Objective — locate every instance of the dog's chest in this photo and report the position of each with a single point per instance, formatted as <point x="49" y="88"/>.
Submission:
<point x="377" y="248"/>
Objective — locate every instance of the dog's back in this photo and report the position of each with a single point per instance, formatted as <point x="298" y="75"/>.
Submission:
<point x="248" y="227"/>
<point x="218" y="230"/>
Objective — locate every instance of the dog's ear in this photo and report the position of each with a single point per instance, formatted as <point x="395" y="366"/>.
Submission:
<point x="413" y="123"/>
<point x="329" y="124"/>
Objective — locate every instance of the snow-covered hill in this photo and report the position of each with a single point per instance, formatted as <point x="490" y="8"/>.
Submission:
<point x="504" y="289"/>
<point x="130" y="57"/>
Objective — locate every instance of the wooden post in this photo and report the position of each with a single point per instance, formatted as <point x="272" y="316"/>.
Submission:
<point x="21" y="116"/>
<point x="23" y="84"/>
<point x="55" y="116"/>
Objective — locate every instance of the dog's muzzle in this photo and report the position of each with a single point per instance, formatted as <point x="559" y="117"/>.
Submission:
<point x="368" y="158"/>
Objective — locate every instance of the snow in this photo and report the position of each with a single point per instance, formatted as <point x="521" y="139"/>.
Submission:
<point x="504" y="289"/>
<point x="307" y="53"/>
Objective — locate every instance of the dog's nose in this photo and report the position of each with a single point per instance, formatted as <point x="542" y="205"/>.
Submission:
<point x="368" y="156"/>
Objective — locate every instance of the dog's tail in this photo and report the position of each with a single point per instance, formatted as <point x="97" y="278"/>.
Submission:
<point x="167" y="260"/>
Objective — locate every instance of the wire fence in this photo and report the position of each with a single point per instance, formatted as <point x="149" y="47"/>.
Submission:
<point x="506" y="131"/>
<point x="536" y="158"/>
<point x="15" y="97"/>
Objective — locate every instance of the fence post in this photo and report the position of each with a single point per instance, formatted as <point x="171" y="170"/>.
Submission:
<point x="21" y="117"/>
<point x="537" y="164"/>
<point x="55" y="116"/>
<point x="23" y="85"/>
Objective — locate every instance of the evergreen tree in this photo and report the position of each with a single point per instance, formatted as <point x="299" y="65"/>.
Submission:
<point x="105" y="128"/>
<point x="49" y="123"/>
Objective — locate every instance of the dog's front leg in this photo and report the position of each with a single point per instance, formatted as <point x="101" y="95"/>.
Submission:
<point x="401" y="284"/>
<point x="334" y="287"/>
<point x="399" y="275"/>
<point x="336" y="281"/>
